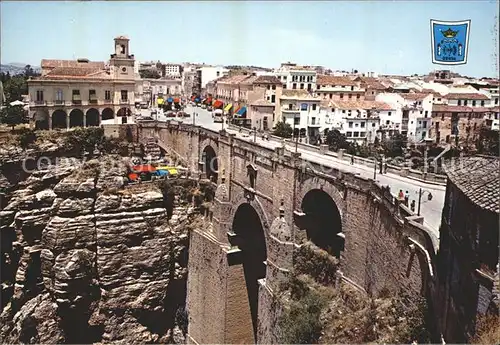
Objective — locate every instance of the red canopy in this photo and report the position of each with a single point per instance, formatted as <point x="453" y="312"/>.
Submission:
<point x="177" y="100"/>
<point x="192" y="98"/>
<point x="218" y="104"/>
<point x="143" y="168"/>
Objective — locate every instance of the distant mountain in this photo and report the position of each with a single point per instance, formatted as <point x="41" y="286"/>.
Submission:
<point x="16" y="68"/>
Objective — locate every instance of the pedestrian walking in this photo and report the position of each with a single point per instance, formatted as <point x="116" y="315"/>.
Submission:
<point x="407" y="198"/>
<point x="401" y="196"/>
<point x="385" y="167"/>
<point x="380" y="167"/>
<point x="412" y="206"/>
<point x="352" y="159"/>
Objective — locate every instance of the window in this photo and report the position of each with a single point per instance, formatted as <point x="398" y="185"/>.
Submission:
<point x="273" y="98"/>
<point x="386" y="122"/>
<point x="39" y="95"/>
<point x="269" y="87"/>
<point x="424" y="124"/>
<point x="296" y="121"/>
<point x="284" y="86"/>
<point x="343" y="111"/>
<point x="218" y="73"/>
<point x="331" y="95"/>
<point x="124" y="95"/>
<point x="290" y="106"/>
<point x="314" y="107"/>
<point x="309" y="86"/>
<point x="362" y="134"/>
<point x="356" y="134"/>
<point x="473" y="103"/>
<point x="496" y="101"/>
<point x="420" y="103"/>
<point x="302" y="86"/>
<point x="442" y="116"/>
<point x="373" y="124"/>
<point x="313" y="120"/>
<point x="348" y="134"/>
<point x="426" y="113"/>
<point x="421" y="112"/>
<point x="350" y="124"/>
<point x="350" y="96"/>
<point x="362" y="124"/>
<point x="465" y="102"/>
<point x="482" y="103"/>
<point x="284" y="77"/>
<point x="341" y="95"/>
<point x="439" y="99"/>
<point x="92" y="95"/>
<point x="59" y="95"/>
<point x="357" y="96"/>
<point x="303" y="107"/>
<point x="76" y="93"/>
<point x="356" y="124"/>
<point x="459" y="102"/>
<point x="274" y="87"/>
<point x="317" y="87"/>
<point x="294" y="86"/>
<point x="352" y="88"/>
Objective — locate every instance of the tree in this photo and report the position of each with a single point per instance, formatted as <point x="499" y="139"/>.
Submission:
<point x="488" y="142"/>
<point x="283" y="130"/>
<point x="13" y="115"/>
<point x="393" y="147"/>
<point x="149" y="74"/>
<point x="336" y="140"/>
<point x="14" y="88"/>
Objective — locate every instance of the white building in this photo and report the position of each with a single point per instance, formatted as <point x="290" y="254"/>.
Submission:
<point x="302" y="112"/>
<point x="173" y="70"/>
<point x="296" y="77"/>
<point x="415" y="110"/>
<point x="206" y="74"/>
<point x="359" y="119"/>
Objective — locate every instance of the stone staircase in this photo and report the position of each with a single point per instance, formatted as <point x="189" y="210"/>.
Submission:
<point x="151" y="149"/>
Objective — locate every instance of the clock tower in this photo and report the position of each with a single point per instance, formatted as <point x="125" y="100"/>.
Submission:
<point x="121" y="62"/>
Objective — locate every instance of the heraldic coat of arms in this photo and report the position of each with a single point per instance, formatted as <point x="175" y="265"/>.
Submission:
<point x="450" y="42"/>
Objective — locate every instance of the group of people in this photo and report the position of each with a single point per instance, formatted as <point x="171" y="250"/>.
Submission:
<point x="404" y="198"/>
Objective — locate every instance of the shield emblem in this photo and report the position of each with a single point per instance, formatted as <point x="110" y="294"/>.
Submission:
<point x="450" y="42"/>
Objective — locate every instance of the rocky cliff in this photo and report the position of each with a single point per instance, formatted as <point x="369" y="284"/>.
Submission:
<point x="86" y="259"/>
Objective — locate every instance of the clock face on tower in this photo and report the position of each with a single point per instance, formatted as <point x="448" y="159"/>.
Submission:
<point x="124" y="69"/>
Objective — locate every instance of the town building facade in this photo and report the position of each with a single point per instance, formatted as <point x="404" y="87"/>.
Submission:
<point x="71" y="93"/>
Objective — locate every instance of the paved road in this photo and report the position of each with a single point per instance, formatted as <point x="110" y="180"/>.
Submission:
<point x="431" y="210"/>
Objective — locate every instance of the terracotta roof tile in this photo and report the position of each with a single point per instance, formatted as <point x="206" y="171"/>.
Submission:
<point x="267" y="79"/>
<point x="47" y="64"/>
<point x="361" y="104"/>
<point x="478" y="178"/>
<point x="461" y="109"/>
<point x="456" y="96"/>
<point x="297" y="94"/>
<point x="250" y="80"/>
<point x="333" y="80"/>
<point x="234" y="79"/>
<point x="414" y="96"/>
<point x="75" y="73"/>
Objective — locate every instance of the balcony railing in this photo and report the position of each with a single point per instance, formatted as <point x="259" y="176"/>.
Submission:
<point x="107" y="101"/>
<point x="38" y="102"/>
<point x="76" y="101"/>
<point x="59" y="102"/>
<point x="93" y="101"/>
<point x="290" y="110"/>
<point x="123" y="101"/>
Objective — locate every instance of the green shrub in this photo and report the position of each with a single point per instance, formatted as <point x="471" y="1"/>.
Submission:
<point x="26" y="137"/>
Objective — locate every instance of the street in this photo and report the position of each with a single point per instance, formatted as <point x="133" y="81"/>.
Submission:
<point x="430" y="210"/>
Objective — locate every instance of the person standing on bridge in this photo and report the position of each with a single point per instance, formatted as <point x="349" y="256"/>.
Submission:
<point x="407" y="198"/>
<point x="401" y="196"/>
<point x="385" y="167"/>
<point x="352" y="159"/>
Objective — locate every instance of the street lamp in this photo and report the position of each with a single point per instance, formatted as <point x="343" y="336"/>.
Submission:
<point x="254" y="134"/>
<point x="374" y="168"/>
<point x="420" y="193"/>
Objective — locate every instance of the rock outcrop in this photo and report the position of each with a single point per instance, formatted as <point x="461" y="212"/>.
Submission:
<point x="86" y="259"/>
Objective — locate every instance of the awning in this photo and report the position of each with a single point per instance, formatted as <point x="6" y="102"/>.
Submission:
<point x="177" y="100"/>
<point x="193" y="97"/>
<point x="170" y="100"/>
<point x="218" y="104"/>
<point x="228" y="107"/>
<point x="242" y="111"/>
<point x="170" y="170"/>
<point x="160" y="101"/>
<point x="209" y="100"/>
<point x="197" y="100"/>
<point x="203" y="100"/>
<point x="237" y="109"/>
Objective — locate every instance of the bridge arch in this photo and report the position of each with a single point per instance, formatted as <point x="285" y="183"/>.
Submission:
<point x="210" y="163"/>
<point x="249" y="231"/>
<point x="108" y="114"/>
<point x="322" y="206"/>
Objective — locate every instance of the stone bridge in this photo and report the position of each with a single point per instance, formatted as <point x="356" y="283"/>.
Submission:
<point x="268" y="203"/>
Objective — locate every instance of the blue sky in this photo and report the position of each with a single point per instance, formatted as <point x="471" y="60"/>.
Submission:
<point x="385" y="36"/>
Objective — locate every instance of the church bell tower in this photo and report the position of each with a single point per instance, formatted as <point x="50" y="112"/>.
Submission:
<point x="122" y="62"/>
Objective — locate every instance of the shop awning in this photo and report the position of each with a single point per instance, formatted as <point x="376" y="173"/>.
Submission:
<point x="237" y="109"/>
<point x="218" y="104"/>
<point x="209" y="101"/>
<point x="242" y="111"/>
<point x="160" y="101"/>
<point x="177" y="100"/>
<point x="197" y="100"/>
<point x="228" y="107"/>
<point x="193" y="97"/>
<point x="170" y="100"/>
